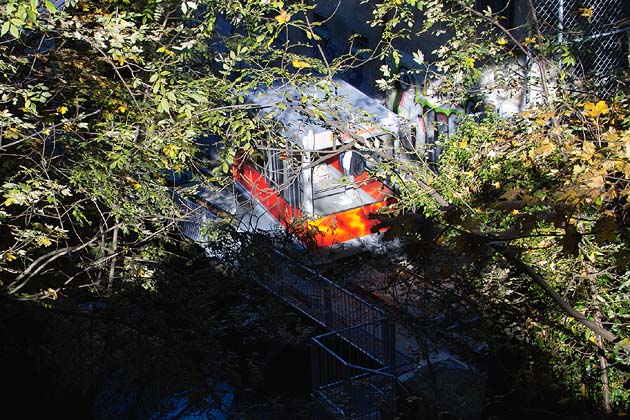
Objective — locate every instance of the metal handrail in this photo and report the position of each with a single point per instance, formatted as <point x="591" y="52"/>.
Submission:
<point x="339" y="358"/>
<point x="331" y="283"/>
<point x="335" y="305"/>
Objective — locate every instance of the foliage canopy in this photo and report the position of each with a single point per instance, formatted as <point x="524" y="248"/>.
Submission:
<point x="102" y="102"/>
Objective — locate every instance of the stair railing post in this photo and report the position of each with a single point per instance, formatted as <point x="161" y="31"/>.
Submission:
<point x="389" y="353"/>
<point x="315" y="368"/>
<point x="389" y="343"/>
<point x="346" y="376"/>
<point x="328" y="309"/>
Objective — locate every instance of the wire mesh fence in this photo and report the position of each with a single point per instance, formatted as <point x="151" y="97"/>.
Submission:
<point x="596" y="31"/>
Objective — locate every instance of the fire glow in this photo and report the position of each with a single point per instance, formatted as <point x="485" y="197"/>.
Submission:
<point x="346" y="225"/>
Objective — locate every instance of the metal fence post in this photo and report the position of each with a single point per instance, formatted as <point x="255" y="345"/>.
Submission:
<point x="389" y="351"/>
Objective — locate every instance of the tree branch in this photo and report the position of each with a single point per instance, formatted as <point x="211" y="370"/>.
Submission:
<point x="40" y="263"/>
<point x="563" y="304"/>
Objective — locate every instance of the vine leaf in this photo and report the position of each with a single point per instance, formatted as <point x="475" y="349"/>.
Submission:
<point x="571" y="240"/>
<point x="622" y="259"/>
<point x="453" y="215"/>
<point x="605" y="230"/>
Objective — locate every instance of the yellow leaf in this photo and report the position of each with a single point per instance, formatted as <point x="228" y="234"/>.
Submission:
<point x="470" y="62"/>
<point x="586" y="12"/>
<point x="121" y="60"/>
<point x="595" y="110"/>
<point x="165" y="51"/>
<point x="171" y="151"/>
<point x="283" y="17"/>
<point x="300" y="64"/>
<point x="588" y="150"/>
<point x="529" y="40"/>
<point x="52" y="293"/>
<point x="502" y="41"/>
<point x="43" y="241"/>
<point x="545" y="148"/>
<point x="62" y="109"/>
<point x="10" y="257"/>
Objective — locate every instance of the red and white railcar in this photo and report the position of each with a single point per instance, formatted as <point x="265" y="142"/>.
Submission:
<point x="314" y="173"/>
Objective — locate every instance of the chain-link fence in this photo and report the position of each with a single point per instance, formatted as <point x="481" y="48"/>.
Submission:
<point x="597" y="32"/>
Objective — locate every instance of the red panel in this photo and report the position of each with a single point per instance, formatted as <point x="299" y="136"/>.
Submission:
<point x="256" y="184"/>
<point x="334" y="228"/>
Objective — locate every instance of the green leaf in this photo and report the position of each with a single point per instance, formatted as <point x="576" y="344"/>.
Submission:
<point x="198" y="98"/>
<point x="418" y="57"/>
<point x="15" y="31"/>
<point x="21" y="12"/>
<point x="164" y="105"/>
<point x="50" y="6"/>
<point x="5" y="28"/>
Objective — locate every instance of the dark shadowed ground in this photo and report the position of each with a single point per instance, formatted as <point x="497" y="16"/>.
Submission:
<point x="117" y="358"/>
<point x="90" y="357"/>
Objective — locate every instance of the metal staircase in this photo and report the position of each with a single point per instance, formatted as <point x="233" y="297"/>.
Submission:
<point x="354" y="364"/>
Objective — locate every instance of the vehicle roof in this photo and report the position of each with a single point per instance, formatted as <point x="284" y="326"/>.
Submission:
<point x="343" y="104"/>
